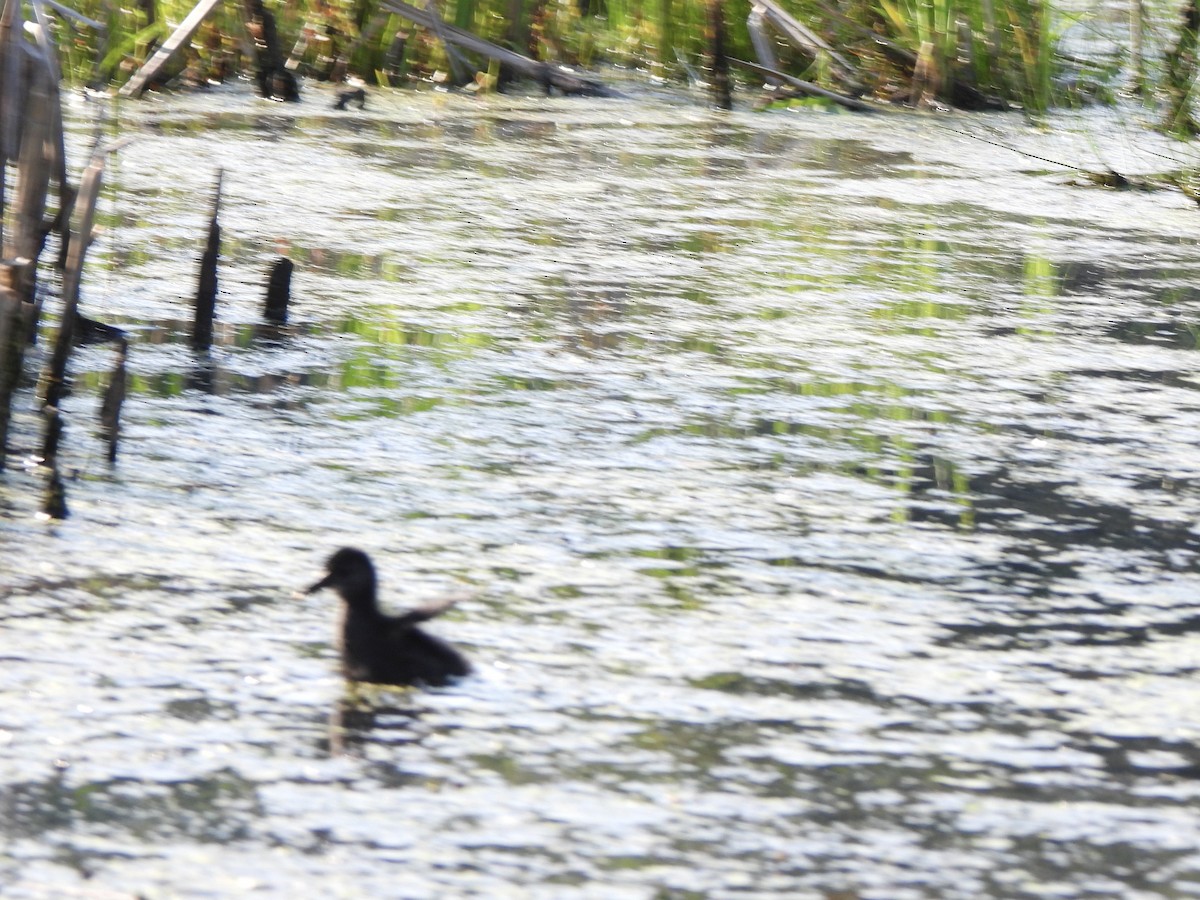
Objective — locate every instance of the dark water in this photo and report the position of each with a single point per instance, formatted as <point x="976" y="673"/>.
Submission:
<point x="826" y="489"/>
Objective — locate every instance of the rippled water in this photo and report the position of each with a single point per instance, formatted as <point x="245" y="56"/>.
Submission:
<point x="827" y="488"/>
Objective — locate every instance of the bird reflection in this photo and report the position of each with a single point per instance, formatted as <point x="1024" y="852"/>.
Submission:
<point x="368" y="714"/>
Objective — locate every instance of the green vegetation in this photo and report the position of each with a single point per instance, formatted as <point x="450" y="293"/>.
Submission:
<point x="965" y="52"/>
<point x="975" y="54"/>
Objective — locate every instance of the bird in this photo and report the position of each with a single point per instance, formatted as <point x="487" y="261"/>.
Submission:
<point x="345" y="98"/>
<point x="385" y="649"/>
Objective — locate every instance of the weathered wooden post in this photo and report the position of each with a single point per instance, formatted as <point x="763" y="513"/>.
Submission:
<point x="206" y="292"/>
<point x="279" y="291"/>
<point x="393" y="62"/>
<point x="12" y="90"/>
<point x="30" y="137"/>
<point x="55" y="377"/>
<point x="42" y="160"/>
<point x="55" y="503"/>
<point x="275" y="80"/>
<point x="149" y="10"/>
<point x="12" y="348"/>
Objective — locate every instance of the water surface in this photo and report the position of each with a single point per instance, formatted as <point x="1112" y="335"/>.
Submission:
<point x="825" y="488"/>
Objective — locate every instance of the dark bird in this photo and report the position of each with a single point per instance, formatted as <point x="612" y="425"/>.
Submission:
<point x="90" y="331"/>
<point x="345" y="98"/>
<point x="381" y="648"/>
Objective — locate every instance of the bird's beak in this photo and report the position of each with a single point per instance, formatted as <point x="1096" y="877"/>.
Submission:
<point x="323" y="583"/>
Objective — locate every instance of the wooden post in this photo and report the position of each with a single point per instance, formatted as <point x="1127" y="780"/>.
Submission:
<point x="28" y="235"/>
<point x="275" y="80"/>
<point x="393" y="63"/>
<point x="206" y="292"/>
<point x="279" y="292"/>
<point x="1181" y="64"/>
<point x="110" y="407"/>
<point x="55" y="503"/>
<point x="41" y="161"/>
<point x="927" y="76"/>
<point x="719" y="62"/>
<point x="11" y="91"/>
<point x="1137" y="59"/>
<point x="517" y="37"/>
<point x="12" y="348"/>
<point x="149" y="10"/>
<point x="54" y="379"/>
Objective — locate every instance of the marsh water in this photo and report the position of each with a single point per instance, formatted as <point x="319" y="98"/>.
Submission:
<point x="824" y="490"/>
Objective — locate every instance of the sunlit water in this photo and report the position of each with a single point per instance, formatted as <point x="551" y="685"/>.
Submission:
<point x="826" y="488"/>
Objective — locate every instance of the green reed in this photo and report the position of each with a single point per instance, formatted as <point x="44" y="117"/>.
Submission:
<point x="1003" y="48"/>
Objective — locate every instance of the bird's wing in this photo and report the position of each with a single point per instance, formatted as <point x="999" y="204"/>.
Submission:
<point x="431" y="610"/>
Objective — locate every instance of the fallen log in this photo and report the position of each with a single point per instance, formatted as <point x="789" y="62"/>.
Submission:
<point x="182" y="35"/>
<point x="544" y="73"/>
<point x="809" y="41"/>
<point x="805" y="87"/>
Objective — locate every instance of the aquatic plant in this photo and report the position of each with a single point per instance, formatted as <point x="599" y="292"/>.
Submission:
<point x="1180" y="75"/>
<point x="956" y="51"/>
